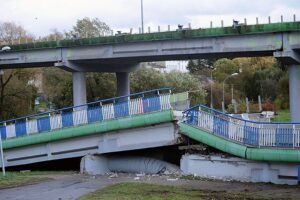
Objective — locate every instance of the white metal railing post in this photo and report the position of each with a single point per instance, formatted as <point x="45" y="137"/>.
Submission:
<point x="279" y="135"/>
<point x="2" y="156"/>
<point x="129" y="105"/>
<point x="26" y="123"/>
<point x="160" y="102"/>
<point x="259" y="135"/>
<point x="294" y="136"/>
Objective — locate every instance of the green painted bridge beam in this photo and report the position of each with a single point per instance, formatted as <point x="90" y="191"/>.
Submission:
<point x="251" y="153"/>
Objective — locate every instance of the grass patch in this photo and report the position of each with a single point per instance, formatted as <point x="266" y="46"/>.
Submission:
<point x="143" y="191"/>
<point x="16" y="179"/>
<point x="282" y="116"/>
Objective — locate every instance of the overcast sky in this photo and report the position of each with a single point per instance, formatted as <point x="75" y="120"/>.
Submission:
<point x="41" y="16"/>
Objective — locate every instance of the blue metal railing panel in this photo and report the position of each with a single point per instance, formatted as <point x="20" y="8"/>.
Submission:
<point x="251" y="135"/>
<point x="193" y="117"/>
<point x="20" y="129"/>
<point x="284" y="137"/>
<point x="237" y="118"/>
<point x="67" y="119"/>
<point x="3" y="132"/>
<point x="121" y="109"/>
<point x="220" y="127"/>
<point x="43" y="124"/>
<point x="115" y="99"/>
<point x="91" y="112"/>
<point x="94" y="114"/>
<point x="151" y="104"/>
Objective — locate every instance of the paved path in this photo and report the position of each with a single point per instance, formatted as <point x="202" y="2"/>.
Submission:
<point x="69" y="187"/>
<point x="63" y="188"/>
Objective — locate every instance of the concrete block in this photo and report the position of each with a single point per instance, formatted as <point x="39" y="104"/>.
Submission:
<point x="233" y="168"/>
<point x="94" y="165"/>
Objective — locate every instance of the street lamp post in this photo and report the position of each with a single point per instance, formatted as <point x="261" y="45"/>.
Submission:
<point x="223" y="100"/>
<point x="142" y="16"/>
<point x="5" y="48"/>
<point x="211" y="88"/>
<point x="2" y="157"/>
<point x="1" y="147"/>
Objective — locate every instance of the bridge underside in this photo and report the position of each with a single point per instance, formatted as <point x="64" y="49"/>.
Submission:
<point x="117" y="141"/>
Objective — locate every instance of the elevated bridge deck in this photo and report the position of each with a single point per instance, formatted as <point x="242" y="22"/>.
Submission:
<point x="169" y="35"/>
<point x="122" y="53"/>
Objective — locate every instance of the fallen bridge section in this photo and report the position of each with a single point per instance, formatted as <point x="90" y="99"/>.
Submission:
<point x="137" y="121"/>
<point x="246" y="139"/>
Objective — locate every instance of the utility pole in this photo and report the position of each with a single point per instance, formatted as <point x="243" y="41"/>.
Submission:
<point x="2" y="156"/>
<point x="231" y="92"/>
<point x="142" y="16"/>
<point x="211" y="88"/>
<point x="223" y="99"/>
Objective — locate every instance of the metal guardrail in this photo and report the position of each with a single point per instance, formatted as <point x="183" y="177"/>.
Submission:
<point x="113" y="108"/>
<point x="246" y="132"/>
<point x="168" y="35"/>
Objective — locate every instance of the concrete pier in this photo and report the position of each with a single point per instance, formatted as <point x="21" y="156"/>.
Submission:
<point x="79" y="88"/>
<point x="237" y="169"/>
<point x="123" y="83"/>
<point x="294" y="87"/>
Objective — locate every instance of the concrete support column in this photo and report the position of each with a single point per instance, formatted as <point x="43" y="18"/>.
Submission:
<point x="294" y="82"/>
<point x="123" y="86"/>
<point x="79" y="88"/>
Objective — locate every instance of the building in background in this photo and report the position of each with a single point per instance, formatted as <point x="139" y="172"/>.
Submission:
<point x="167" y="66"/>
<point x="177" y="65"/>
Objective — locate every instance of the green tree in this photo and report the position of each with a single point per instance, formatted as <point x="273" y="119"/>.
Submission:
<point x="223" y="68"/>
<point x="87" y="27"/>
<point x="101" y="86"/>
<point x="17" y="86"/>
<point x="17" y="93"/>
<point x="148" y="79"/>
<point x="200" y="66"/>
<point x="57" y="87"/>
<point x="182" y="82"/>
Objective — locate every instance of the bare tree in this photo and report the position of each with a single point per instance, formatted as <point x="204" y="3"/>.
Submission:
<point x="16" y="91"/>
<point x="11" y="33"/>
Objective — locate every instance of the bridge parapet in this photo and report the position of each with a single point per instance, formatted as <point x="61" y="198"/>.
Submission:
<point x="169" y="35"/>
<point x="245" y="132"/>
<point x="125" y="106"/>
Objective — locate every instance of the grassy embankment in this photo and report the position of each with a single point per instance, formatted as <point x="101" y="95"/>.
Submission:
<point x="282" y="116"/>
<point x="143" y="191"/>
<point x="16" y="179"/>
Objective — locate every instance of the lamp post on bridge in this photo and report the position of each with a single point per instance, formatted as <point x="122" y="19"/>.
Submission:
<point x="142" y="16"/>
<point x="5" y="48"/>
<point x="223" y="99"/>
